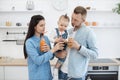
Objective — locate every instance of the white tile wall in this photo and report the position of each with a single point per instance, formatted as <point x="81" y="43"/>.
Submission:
<point x="108" y="39"/>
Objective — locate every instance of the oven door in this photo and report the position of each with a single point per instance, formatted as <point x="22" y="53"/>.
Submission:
<point x="102" y="75"/>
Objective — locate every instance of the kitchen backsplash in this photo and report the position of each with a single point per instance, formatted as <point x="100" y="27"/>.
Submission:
<point x="15" y="17"/>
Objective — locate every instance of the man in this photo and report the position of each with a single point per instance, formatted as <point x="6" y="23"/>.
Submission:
<point x="83" y="47"/>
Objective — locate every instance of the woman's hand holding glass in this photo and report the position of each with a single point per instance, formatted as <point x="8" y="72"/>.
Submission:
<point x="45" y="48"/>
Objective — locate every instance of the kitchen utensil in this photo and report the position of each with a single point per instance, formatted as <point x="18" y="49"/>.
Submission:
<point x="30" y="5"/>
<point x="18" y="24"/>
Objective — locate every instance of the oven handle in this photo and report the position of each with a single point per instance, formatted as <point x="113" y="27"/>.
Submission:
<point x="102" y="73"/>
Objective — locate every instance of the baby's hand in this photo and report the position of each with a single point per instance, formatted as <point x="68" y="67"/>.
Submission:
<point x="59" y="39"/>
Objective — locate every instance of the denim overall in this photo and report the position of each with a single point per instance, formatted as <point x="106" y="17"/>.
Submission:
<point x="64" y="36"/>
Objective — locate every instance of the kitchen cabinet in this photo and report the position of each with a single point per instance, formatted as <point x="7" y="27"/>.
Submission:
<point x="119" y="73"/>
<point x="16" y="73"/>
<point x="1" y="72"/>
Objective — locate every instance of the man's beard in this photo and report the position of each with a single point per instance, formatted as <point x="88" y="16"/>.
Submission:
<point x="76" y="27"/>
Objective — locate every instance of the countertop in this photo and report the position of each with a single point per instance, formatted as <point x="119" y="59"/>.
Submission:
<point x="18" y="62"/>
<point x="114" y="63"/>
<point x="23" y="62"/>
<point x="13" y="62"/>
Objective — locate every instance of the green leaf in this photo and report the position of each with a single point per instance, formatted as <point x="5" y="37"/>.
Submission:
<point x="117" y="9"/>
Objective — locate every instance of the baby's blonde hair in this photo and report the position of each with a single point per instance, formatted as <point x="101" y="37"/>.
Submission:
<point x="64" y="16"/>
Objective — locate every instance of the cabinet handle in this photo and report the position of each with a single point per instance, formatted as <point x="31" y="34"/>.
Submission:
<point x="15" y="33"/>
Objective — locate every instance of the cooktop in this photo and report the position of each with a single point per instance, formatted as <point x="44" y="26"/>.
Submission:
<point x="118" y="59"/>
<point x="102" y="61"/>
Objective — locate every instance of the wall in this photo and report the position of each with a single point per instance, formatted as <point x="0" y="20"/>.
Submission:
<point x="108" y="40"/>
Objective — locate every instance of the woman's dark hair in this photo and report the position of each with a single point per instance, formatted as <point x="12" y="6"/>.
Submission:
<point x="31" y="31"/>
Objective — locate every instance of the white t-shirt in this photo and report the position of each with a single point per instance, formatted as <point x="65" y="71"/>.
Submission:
<point x="53" y="35"/>
<point x="64" y="67"/>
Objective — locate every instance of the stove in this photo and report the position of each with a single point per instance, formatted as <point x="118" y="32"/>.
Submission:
<point x="104" y="67"/>
<point x="102" y="61"/>
<point x="118" y="59"/>
<point x="102" y="72"/>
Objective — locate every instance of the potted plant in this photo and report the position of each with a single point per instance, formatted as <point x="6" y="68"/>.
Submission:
<point x="117" y="9"/>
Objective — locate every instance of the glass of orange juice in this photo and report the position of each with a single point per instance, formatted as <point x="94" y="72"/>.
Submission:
<point x="42" y="43"/>
<point x="94" y="23"/>
<point x="70" y="40"/>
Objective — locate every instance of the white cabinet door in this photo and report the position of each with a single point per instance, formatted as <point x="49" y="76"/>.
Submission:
<point x="16" y="73"/>
<point x="1" y="72"/>
<point x="119" y="73"/>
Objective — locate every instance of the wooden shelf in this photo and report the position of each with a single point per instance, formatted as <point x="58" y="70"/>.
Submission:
<point x="98" y="27"/>
<point x="99" y="10"/>
<point x="23" y="11"/>
<point x="13" y="27"/>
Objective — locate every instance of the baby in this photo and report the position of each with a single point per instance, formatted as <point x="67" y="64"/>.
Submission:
<point x="60" y="34"/>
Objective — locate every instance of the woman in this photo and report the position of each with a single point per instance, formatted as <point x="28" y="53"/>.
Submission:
<point x="38" y="61"/>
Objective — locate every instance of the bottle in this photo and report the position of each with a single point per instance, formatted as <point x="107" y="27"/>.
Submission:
<point x="42" y="42"/>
